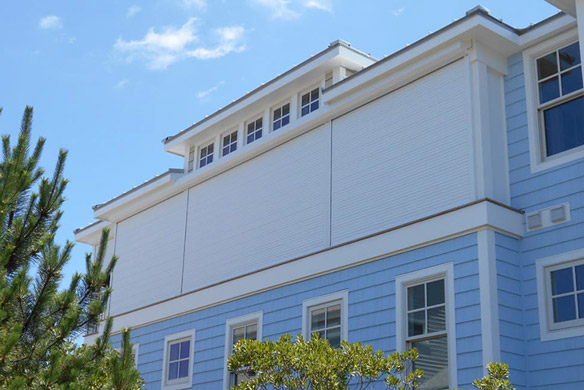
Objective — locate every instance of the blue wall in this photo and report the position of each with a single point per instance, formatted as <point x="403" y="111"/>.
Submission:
<point x="371" y="313"/>
<point x="552" y="364"/>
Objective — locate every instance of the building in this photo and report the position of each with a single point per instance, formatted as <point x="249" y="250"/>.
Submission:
<point x="434" y="198"/>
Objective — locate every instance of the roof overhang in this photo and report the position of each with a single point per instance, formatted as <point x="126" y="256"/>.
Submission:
<point x="568" y="6"/>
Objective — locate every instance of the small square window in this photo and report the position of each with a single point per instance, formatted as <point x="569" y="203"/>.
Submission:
<point x="310" y="102"/>
<point x="229" y="143"/>
<point x="254" y="130"/>
<point x="326" y="316"/>
<point x="206" y="155"/>
<point x="281" y="116"/>
<point x="178" y="360"/>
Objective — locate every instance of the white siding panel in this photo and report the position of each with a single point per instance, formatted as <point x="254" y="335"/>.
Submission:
<point x="269" y="209"/>
<point x="150" y="250"/>
<point x="403" y="156"/>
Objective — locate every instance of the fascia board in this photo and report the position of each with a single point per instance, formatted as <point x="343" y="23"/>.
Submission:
<point x="546" y="31"/>
<point x="91" y="234"/>
<point x="568" y="6"/>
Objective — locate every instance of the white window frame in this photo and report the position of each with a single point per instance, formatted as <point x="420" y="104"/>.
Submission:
<point x="537" y="157"/>
<point x="402" y="282"/>
<point x="170" y="339"/>
<point x="277" y="106"/>
<point x="308" y="305"/>
<point x="548" y="330"/>
<point x="255" y="118"/>
<point x="257" y="317"/>
<point x="200" y="149"/>
<point x="226" y="134"/>
<point x="304" y="92"/>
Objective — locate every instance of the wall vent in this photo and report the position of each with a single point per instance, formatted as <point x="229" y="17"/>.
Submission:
<point x="548" y="217"/>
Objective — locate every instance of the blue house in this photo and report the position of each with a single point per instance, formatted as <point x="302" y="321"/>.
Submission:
<point x="431" y="199"/>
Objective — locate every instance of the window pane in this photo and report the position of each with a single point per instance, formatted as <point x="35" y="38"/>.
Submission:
<point x="210" y="149"/>
<point x="304" y="110"/>
<point x="238" y="334"/>
<point x="173" y="371"/>
<point x="174" y="349"/>
<point x="435" y="292"/>
<point x="276" y="125"/>
<point x="183" y="369"/>
<point x="547" y="66"/>
<point x="580" y="305"/>
<point x="185" y="349"/>
<point x="334" y="315"/>
<point x="259" y="123"/>
<point x="250" y="138"/>
<point x="580" y="277"/>
<point x="251" y="332"/>
<point x="433" y="361"/>
<point x="564" y="126"/>
<point x="285" y="120"/>
<point x="286" y="109"/>
<point x="549" y="90"/>
<point x="416" y="323"/>
<point x="570" y="56"/>
<point x="314" y="106"/>
<point x="277" y="113"/>
<point x="305" y="99"/>
<point x="416" y="297"/>
<point x="564" y="309"/>
<point x="562" y="281"/>
<point x="317" y="319"/>
<point x="571" y="81"/>
<point x="437" y="319"/>
<point x="233" y="147"/>
<point x="334" y="337"/>
<point x="314" y="94"/>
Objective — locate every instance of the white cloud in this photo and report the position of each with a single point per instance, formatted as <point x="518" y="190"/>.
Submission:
<point x="200" y="4"/>
<point x="398" y="12"/>
<point x="207" y="92"/>
<point x="324" y="5"/>
<point x="51" y="22"/>
<point x="133" y="10"/>
<point x="121" y="84"/>
<point x="160" y="50"/>
<point x="279" y="9"/>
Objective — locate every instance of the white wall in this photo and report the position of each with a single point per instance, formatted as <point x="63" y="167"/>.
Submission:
<point x="150" y="250"/>
<point x="271" y="208"/>
<point x="404" y="156"/>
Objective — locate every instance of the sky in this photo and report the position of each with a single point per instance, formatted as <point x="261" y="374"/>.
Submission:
<point x="110" y="79"/>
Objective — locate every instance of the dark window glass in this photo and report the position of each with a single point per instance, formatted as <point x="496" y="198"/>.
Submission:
<point x="562" y="281"/>
<point x="580" y="305"/>
<point x="305" y="99"/>
<point x="314" y="94"/>
<point x="318" y="319"/>
<point x="433" y="360"/>
<point x="435" y="293"/>
<point x="549" y="90"/>
<point x="570" y="56"/>
<point x="173" y="371"/>
<point x="285" y="120"/>
<point x="416" y="297"/>
<point x="580" y="277"/>
<point x="333" y="316"/>
<point x="564" y="126"/>
<point x="547" y="66"/>
<point x="334" y="337"/>
<point x="437" y="319"/>
<point x="174" y="351"/>
<point x="184" y="349"/>
<point x="314" y="106"/>
<point x="304" y="111"/>
<point x="286" y="109"/>
<point x="564" y="308"/>
<point x="416" y="323"/>
<point x="571" y="81"/>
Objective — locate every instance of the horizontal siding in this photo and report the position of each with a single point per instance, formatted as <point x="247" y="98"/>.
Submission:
<point x="403" y="156"/>
<point x="372" y="314"/>
<point x="150" y="250"/>
<point x="552" y="364"/>
<point x="272" y="208"/>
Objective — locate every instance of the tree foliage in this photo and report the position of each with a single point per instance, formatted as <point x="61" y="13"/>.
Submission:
<point x="39" y="322"/>
<point x="497" y="378"/>
<point x="315" y="365"/>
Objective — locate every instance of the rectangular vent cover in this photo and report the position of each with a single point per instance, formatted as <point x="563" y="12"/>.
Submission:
<point x="548" y="217"/>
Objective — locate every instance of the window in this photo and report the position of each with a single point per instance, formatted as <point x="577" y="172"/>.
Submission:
<point x="206" y="155"/>
<point x="229" y="143"/>
<point x="281" y="116"/>
<point x="561" y="104"/>
<point x="309" y="102"/>
<point x="555" y="95"/>
<point x="327" y="316"/>
<point x="254" y="130"/>
<point x="177" y="371"/>
<point x="561" y="295"/>
<point x="247" y="327"/>
<point x="425" y="322"/>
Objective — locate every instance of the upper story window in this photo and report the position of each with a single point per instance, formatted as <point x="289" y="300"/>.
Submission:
<point x="178" y="360"/>
<point x="254" y="130"/>
<point x="561" y="104"/>
<point x="229" y="143"/>
<point x="281" y="116"/>
<point x="327" y="316"/>
<point x="309" y="101"/>
<point x="248" y="327"/>
<point x="560" y="290"/>
<point x="206" y="155"/>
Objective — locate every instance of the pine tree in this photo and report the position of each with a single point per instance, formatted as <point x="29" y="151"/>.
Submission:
<point x="39" y="322"/>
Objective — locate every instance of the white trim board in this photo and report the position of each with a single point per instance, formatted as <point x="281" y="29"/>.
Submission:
<point x="461" y="221"/>
<point x="445" y="271"/>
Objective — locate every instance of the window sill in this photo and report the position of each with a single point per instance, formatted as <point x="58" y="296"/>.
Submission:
<point x="560" y="159"/>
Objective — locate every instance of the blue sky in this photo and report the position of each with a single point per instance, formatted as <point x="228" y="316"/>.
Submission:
<point x="110" y="79"/>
